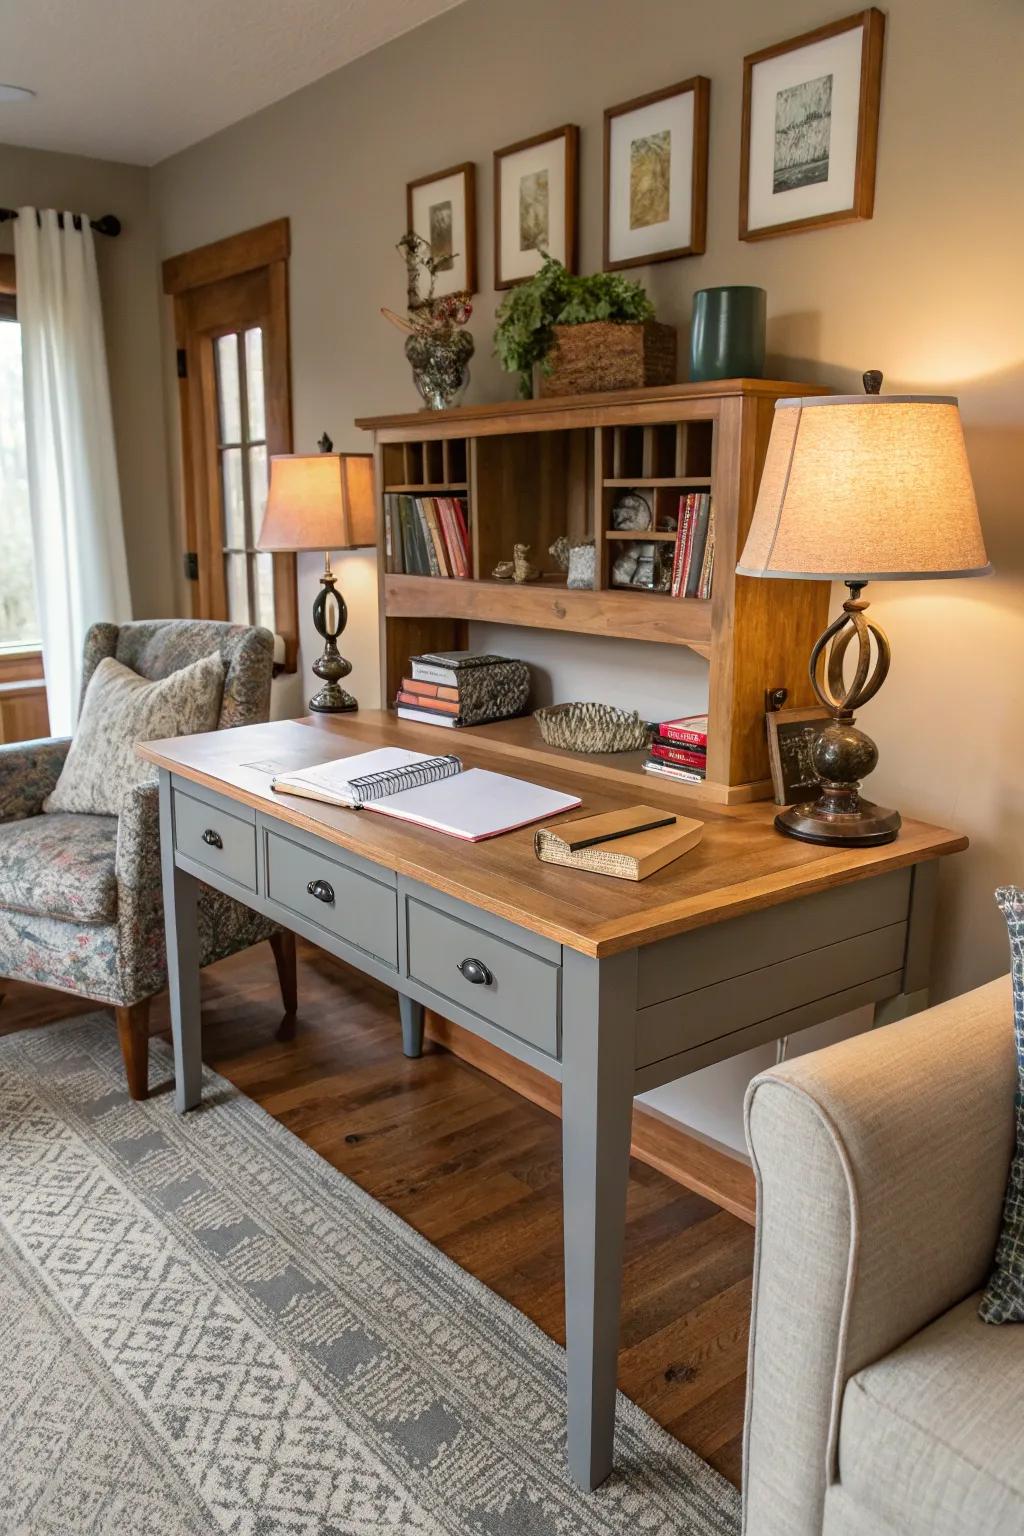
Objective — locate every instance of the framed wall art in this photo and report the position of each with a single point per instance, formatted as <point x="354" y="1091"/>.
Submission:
<point x="791" y="734"/>
<point x="810" y="129"/>
<point x="441" y="209"/>
<point x="535" y="200"/>
<point x="656" y="175"/>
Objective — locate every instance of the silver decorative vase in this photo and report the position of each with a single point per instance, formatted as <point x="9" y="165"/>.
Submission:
<point x="440" y="368"/>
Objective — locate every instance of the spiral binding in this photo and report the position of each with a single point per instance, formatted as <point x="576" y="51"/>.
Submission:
<point x="392" y="781"/>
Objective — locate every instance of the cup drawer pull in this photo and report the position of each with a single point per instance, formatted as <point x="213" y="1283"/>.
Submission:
<point x="475" y="972"/>
<point x="323" y="890"/>
<point x="213" y="839"/>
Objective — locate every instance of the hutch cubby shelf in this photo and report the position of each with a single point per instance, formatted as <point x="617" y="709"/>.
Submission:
<point x="531" y="470"/>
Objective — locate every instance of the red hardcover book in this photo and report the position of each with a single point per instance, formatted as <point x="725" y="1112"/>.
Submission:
<point x="459" y="508"/>
<point x="683" y="756"/>
<point x="417" y="701"/>
<point x="691" y="730"/>
<point x="686" y="552"/>
<point x="680" y="536"/>
<point x="429" y="690"/>
<point x="453" y="537"/>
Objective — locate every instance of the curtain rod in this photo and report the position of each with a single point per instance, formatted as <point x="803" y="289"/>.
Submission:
<point x="109" y="224"/>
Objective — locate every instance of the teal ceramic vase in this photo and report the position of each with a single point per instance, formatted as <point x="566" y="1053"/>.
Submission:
<point x="727" y="334"/>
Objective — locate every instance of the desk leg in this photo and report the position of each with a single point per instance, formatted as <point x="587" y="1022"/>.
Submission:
<point x="412" y="1025"/>
<point x="182" y="937"/>
<point x="597" y="1113"/>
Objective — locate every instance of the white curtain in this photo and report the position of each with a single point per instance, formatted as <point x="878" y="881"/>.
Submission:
<point x="80" y="566"/>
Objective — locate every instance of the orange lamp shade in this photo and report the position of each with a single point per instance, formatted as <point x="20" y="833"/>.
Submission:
<point x="876" y="487"/>
<point x="319" y="501"/>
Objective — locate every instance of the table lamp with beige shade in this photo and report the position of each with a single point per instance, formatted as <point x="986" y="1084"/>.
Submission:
<point x="322" y="501"/>
<point x="860" y="488"/>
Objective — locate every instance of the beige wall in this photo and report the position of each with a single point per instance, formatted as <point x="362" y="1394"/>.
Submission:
<point x="128" y="280"/>
<point x="930" y="291"/>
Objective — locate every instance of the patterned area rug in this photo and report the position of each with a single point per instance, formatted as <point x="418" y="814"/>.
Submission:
<point x="205" y="1328"/>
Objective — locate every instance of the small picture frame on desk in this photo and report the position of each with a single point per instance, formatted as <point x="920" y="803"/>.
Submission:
<point x="791" y="734"/>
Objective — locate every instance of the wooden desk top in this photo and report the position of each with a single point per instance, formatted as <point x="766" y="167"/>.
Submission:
<point x="741" y="864"/>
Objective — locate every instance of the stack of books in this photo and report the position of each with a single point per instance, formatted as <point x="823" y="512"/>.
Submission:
<point x="693" y="562"/>
<point x="427" y="535"/>
<point x="679" y="749"/>
<point x="454" y="688"/>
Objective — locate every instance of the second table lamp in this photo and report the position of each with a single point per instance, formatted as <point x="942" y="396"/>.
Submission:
<point x="860" y="488"/>
<point x="322" y="501"/>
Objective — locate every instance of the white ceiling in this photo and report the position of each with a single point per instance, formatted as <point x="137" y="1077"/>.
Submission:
<point x="137" y="80"/>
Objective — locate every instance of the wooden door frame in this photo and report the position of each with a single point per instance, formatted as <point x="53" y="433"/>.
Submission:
<point x="266" y="247"/>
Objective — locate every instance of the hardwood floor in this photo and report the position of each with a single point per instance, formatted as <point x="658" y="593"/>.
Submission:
<point x="476" y="1169"/>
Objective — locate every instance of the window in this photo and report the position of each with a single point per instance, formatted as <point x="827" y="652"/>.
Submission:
<point x="231" y="327"/>
<point x="242" y="464"/>
<point x="19" y="622"/>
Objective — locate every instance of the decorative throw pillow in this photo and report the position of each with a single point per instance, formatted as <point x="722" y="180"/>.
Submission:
<point x="121" y="708"/>
<point x="1003" y="1301"/>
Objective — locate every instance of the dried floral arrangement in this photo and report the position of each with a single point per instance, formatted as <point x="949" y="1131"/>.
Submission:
<point x="436" y="344"/>
<point x="432" y="317"/>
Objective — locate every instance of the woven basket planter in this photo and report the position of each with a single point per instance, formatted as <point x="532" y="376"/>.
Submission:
<point x="585" y="359"/>
<point x="592" y="728"/>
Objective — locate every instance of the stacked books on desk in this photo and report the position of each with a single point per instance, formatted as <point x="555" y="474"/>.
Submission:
<point x="693" y="561"/>
<point x="679" y="749"/>
<point x="456" y="688"/>
<point x="427" y="535"/>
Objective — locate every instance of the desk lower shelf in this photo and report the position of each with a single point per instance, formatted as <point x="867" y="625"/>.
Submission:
<point x="521" y="739"/>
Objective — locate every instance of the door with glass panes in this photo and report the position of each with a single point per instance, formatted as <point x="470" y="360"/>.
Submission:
<point x="232" y="336"/>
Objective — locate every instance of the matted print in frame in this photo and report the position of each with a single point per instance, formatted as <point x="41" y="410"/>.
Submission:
<point x="656" y="175"/>
<point x="441" y="209"/>
<point x="535" y="201"/>
<point x="810" y="128"/>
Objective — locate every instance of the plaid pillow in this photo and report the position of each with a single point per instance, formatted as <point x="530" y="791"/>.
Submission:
<point x="1003" y="1301"/>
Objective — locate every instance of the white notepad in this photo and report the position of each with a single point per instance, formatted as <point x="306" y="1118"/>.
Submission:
<point x="470" y="803"/>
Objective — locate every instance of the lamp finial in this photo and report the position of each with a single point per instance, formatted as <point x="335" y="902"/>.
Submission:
<point x="325" y="444"/>
<point x="872" y="381"/>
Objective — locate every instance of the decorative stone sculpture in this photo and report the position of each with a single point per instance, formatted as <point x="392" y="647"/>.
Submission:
<point x="519" y="569"/>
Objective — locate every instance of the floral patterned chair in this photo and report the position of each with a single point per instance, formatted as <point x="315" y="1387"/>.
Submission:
<point x="80" y="896"/>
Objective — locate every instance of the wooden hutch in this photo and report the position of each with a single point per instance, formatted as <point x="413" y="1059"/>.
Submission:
<point x="534" y="469"/>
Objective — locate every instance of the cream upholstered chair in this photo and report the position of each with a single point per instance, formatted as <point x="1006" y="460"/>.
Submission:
<point x="878" y="1402"/>
<point x="80" y="896"/>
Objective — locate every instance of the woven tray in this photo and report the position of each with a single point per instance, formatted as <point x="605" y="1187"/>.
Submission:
<point x="592" y="728"/>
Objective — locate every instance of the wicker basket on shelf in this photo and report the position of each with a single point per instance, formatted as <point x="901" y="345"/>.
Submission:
<point x="607" y="354"/>
<point x="592" y="728"/>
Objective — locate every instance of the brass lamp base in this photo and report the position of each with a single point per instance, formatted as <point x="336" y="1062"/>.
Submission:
<point x="330" y="615"/>
<point x="841" y="755"/>
<point x="840" y="818"/>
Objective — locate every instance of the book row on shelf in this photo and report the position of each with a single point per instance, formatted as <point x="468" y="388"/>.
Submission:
<point x="693" y="558"/>
<point x="427" y="535"/>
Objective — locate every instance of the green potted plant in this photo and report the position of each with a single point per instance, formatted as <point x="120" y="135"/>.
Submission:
<point x="581" y="334"/>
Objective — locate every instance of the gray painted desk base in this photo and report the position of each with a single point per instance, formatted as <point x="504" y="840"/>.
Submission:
<point x="607" y="1029"/>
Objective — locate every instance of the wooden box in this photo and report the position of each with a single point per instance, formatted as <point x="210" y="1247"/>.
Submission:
<point x="604" y="355"/>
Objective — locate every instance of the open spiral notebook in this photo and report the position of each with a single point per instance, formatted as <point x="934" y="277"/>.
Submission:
<point x="435" y="792"/>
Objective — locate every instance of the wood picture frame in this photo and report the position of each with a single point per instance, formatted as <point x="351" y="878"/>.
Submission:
<point x="692" y="119"/>
<point x="790" y="733"/>
<point x="517" y="263"/>
<point x="850" y="163"/>
<point x="455" y="186"/>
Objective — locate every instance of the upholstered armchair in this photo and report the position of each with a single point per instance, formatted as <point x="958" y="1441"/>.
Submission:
<point x="80" y="897"/>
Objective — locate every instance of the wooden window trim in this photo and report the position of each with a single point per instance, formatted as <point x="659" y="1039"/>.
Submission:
<point x="260" y="247"/>
<point x="267" y="246"/>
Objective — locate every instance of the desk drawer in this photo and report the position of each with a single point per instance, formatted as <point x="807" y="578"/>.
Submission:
<point x="515" y="990"/>
<point x="352" y="906"/>
<point x="216" y="839"/>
